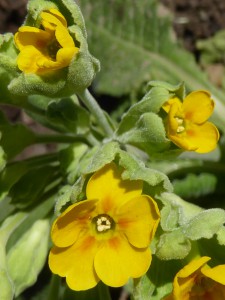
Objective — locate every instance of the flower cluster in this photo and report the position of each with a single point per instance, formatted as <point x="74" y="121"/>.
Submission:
<point x="107" y="236"/>
<point x="186" y="122"/>
<point x="47" y="48"/>
<point x="198" y="281"/>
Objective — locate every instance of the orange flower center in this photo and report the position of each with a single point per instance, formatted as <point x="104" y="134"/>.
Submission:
<point x="103" y="223"/>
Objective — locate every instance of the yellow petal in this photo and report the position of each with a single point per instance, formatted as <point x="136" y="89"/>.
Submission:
<point x="58" y="15"/>
<point x="71" y="223"/>
<point x="27" y="36"/>
<point x="192" y="267"/>
<point x="198" y="106"/>
<point x="174" y="112"/>
<point x="50" y="21"/>
<point x="63" y="37"/>
<point x="217" y="273"/>
<point x="167" y="105"/>
<point x="76" y="263"/>
<point x="27" y="59"/>
<point x="204" y="137"/>
<point x="65" y="55"/>
<point x="116" y="261"/>
<point x="182" y="141"/>
<point x="138" y="218"/>
<point x="107" y="186"/>
<point x="185" y="278"/>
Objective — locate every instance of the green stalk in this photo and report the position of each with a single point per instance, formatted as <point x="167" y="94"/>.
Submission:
<point x="103" y="291"/>
<point x="59" y="138"/>
<point x="53" y="292"/>
<point x="92" y="105"/>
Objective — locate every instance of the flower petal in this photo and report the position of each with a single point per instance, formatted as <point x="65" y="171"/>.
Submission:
<point x="198" y="106"/>
<point x="50" y="21"/>
<point x="182" y="141"/>
<point x="27" y="36"/>
<point x="27" y="59"/>
<point x="185" y="278"/>
<point x="217" y="273"/>
<point x="168" y="104"/>
<point x="138" y="218"/>
<point x="71" y="223"/>
<point x="116" y="261"/>
<point x="58" y="15"/>
<point x="63" y="37"/>
<point x="204" y="137"/>
<point x="76" y="263"/>
<point x="107" y="186"/>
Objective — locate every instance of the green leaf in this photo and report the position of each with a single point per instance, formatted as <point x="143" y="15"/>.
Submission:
<point x="151" y="102"/>
<point x="15" y="137"/>
<point x="31" y="249"/>
<point x="98" y="157"/>
<point x="194" y="186"/>
<point x="135" y="45"/>
<point x="26" y="192"/>
<point x="2" y="159"/>
<point x="157" y="282"/>
<point x="6" y="229"/>
<point x="212" y="49"/>
<point x="173" y="245"/>
<point x="134" y="169"/>
<point x="8" y="70"/>
<point x="148" y="134"/>
<point x="15" y="170"/>
<point x="68" y="116"/>
<point x="205" y="224"/>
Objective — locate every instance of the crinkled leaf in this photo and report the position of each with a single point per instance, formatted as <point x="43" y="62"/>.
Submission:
<point x="151" y="102"/>
<point x="205" y="224"/>
<point x="176" y="210"/>
<point x="194" y="186"/>
<point x="99" y="156"/>
<point x="135" y="169"/>
<point x="157" y="282"/>
<point x="173" y="245"/>
<point x="221" y="236"/>
<point x="147" y="134"/>
<point x="63" y="197"/>
<point x="31" y="249"/>
<point x="140" y="47"/>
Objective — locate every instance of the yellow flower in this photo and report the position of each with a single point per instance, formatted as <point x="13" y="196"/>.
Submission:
<point x="46" y="49"/>
<point x="186" y="122"/>
<point x="197" y="281"/>
<point x="107" y="236"/>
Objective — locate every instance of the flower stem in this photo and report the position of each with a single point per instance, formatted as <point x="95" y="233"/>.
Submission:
<point x="103" y="291"/>
<point x="97" y="112"/>
<point x="53" y="292"/>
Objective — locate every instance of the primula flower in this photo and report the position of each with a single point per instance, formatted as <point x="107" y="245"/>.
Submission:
<point x="197" y="281"/>
<point x="107" y="236"/>
<point x="186" y="122"/>
<point x="47" y="48"/>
